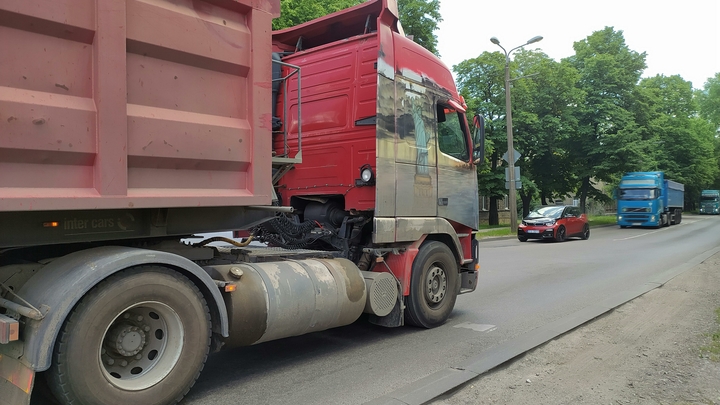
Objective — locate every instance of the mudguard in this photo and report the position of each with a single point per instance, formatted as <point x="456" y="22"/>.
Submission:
<point x="57" y="288"/>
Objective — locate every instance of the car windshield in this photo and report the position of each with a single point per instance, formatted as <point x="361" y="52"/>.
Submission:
<point x="546" y="212"/>
<point x="638" y="193"/>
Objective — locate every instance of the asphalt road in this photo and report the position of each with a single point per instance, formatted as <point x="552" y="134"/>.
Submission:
<point x="523" y="286"/>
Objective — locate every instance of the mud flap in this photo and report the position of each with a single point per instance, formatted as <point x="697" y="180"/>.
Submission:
<point x="16" y="381"/>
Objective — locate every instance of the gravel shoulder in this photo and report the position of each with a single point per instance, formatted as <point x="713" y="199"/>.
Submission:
<point x="647" y="351"/>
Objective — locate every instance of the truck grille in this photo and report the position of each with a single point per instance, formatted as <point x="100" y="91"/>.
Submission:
<point x="635" y="217"/>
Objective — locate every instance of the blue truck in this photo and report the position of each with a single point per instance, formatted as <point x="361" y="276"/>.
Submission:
<point x="710" y="202"/>
<point x="648" y="199"/>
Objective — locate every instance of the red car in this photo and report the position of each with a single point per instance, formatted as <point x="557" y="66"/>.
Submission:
<point x="556" y="222"/>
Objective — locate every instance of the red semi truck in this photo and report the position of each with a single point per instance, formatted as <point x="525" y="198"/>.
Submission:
<point x="128" y="126"/>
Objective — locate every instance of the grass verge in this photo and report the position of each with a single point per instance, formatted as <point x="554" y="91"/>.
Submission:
<point x="602" y="220"/>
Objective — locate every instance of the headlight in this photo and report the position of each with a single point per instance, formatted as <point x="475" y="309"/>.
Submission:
<point x="367" y="177"/>
<point x="652" y="218"/>
<point x="551" y="223"/>
<point x="619" y="217"/>
<point x="366" y="174"/>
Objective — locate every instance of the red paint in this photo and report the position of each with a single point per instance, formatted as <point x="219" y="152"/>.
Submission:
<point x="401" y="264"/>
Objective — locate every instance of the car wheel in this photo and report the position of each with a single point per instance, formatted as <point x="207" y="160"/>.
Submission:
<point x="522" y="238"/>
<point x="586" y="232"/>
<point x="560" y="234"/>
<point x="433" y="286"/>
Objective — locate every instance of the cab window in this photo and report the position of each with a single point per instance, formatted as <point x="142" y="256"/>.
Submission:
<point x="451" y="136"/>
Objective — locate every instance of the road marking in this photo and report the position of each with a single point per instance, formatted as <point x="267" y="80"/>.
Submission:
<point x="478" y="327"/>
<point x="642" y="234"/>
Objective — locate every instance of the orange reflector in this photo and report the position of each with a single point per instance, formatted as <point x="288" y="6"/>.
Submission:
<point x="477" y="267"/>
<point x="379" y="259"/>
<point x="53" y="224"/>
<point x="230" y="287"/>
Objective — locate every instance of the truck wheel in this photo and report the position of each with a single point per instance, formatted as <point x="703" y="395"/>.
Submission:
<point x="678" y="217"/>
<point x="142" y="336"/>
<point x="433" y="286"/>
<point x="560" y="234"/>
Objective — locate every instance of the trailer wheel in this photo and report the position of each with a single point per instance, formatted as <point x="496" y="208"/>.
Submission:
<point x="678" y="216"/>
<point x="141" y="336"/>
<point x="433" y="286"/>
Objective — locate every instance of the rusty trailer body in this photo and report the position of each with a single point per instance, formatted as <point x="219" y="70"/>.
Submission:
<point x="127" y="126"/>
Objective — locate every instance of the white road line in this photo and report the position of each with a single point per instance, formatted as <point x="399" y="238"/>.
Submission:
<point x="642" y="234"/>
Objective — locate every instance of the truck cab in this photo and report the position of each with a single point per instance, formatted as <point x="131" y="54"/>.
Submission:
<point x="710" y="202"/>
<point x="647" y="199"/>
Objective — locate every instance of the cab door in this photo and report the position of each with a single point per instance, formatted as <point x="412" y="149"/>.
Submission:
<point x="457" y="196"/>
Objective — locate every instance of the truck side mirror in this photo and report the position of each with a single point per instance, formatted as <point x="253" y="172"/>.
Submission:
<point x="479" y="139"/>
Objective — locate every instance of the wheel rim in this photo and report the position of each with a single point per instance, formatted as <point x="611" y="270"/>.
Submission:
<point x="586" y="232"/>
<point x="141" y="346"/>
<point x="561" y="234"/>
<point x="435" y="285"/>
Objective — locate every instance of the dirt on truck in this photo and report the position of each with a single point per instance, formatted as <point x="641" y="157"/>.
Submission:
<point x="130" y="126"/>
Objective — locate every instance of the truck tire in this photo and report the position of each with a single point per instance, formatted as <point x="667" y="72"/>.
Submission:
<point x="678" y="216"/>
<point x="141" y="336"/>
<point x="433" y="286"/>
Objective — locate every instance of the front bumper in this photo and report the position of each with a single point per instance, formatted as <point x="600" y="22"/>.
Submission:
<point x="638" y="219"/>
<point x="538" y="232"/>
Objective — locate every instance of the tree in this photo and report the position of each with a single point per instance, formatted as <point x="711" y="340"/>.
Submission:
<point x="684" y="144"/>
<point x="607" y="141"/>
<point x="294" y="12"/>
<point x="481" y="82"/>
<point x="543" y="120"/>
<point x="709" y="100"/>
<point x="420" y="19"/>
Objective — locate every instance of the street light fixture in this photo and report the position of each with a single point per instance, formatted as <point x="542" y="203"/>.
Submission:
<point x="512" y="196"/>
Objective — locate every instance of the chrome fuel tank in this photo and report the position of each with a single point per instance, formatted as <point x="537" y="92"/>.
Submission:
<point x="280" y="299"/>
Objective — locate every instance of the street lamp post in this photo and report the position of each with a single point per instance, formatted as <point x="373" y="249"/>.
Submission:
<point x="512" y="196"/>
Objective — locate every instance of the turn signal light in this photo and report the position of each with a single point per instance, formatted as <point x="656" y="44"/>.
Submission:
<point x="52" y="224"/>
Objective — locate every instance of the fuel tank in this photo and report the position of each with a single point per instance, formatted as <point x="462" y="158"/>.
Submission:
<point x="280" y="299"/>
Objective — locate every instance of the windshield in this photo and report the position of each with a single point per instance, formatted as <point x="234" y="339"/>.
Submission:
<point x="639" y="193"/>
<point x="708" y="198"/>
<point x="546" y="212"/>
<point x="451" y="137"/>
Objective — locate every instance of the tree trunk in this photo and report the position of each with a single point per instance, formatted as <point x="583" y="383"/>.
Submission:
<point x="543" y="201"/>
<point x="584" y="188"/>
<point x="525" y="203"/>
<point x="493" y="214"/>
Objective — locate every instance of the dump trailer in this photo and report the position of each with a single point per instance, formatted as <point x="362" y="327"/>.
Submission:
<point x="710" y="202"/>
<point x="648" y="199"/>
<point x="338" y="151"/>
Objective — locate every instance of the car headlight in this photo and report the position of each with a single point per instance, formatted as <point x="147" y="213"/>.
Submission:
<point x="551" y="223"/>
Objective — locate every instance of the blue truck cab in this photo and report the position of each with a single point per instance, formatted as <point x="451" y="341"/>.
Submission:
<point x="710" y="202"/>
<point x="648" y="199"/>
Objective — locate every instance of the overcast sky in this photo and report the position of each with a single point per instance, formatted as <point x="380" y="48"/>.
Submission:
<point x="679" y="37"/>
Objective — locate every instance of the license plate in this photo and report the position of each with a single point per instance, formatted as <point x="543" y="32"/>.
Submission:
<point x="533" y="231"/>
<point x="637" y="223"/>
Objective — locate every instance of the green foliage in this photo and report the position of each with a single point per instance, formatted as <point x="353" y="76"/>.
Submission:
<point x="608" y="139"/>
<point x="420" y="18"/>
<point x="294" y="12"/>
<point x="709" y="101"/>
<point x="683" y="144"/>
